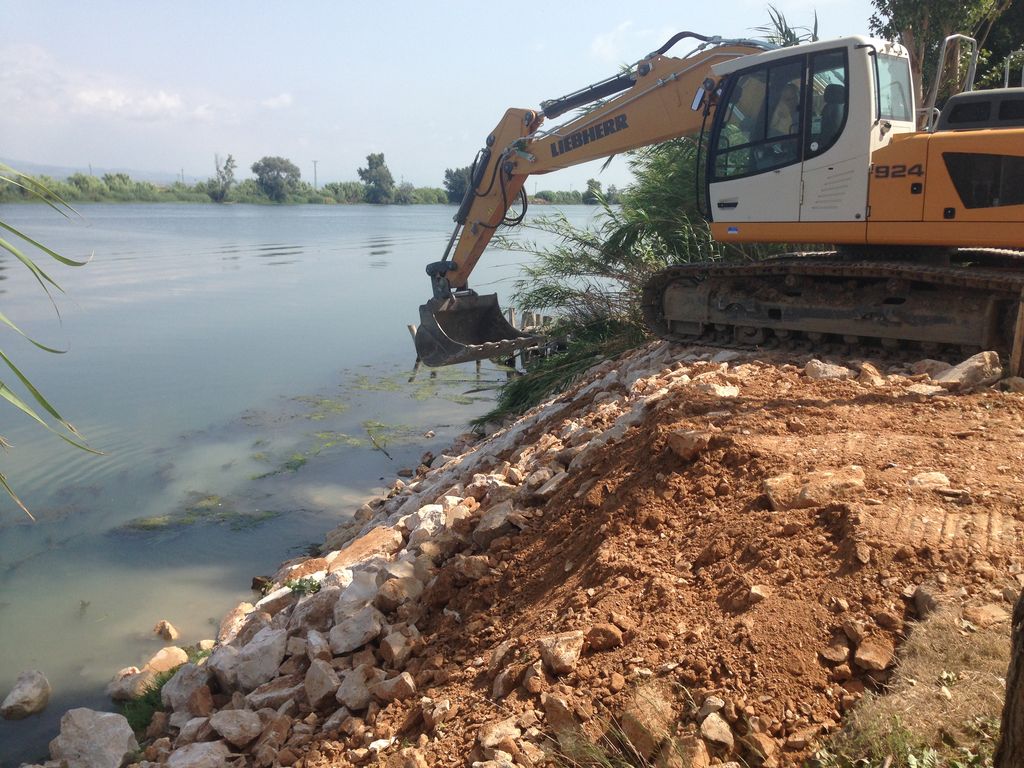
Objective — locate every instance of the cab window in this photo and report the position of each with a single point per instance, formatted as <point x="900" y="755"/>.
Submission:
<point x="829" y="101"/>
<point x="895" y="100"/>
<point x="761" y="124"/>
<point x="778" y="114"/>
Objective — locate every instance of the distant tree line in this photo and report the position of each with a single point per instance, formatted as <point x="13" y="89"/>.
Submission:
<point x="278" y="180"/>
<point x="457" y="181"/>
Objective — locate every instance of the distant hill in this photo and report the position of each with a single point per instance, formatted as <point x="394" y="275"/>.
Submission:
<point x="63" y="171"/>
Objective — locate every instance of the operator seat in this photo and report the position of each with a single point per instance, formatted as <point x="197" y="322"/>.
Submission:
<point x="833" y="113"/>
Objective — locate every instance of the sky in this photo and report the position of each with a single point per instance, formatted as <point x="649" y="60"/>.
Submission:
<point x="164" y="87"/>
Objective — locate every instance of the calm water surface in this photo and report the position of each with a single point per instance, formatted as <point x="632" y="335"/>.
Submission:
<point x="232" y="363"/>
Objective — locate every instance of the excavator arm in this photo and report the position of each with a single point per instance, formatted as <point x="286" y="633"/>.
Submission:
<point x="658" y="98"/>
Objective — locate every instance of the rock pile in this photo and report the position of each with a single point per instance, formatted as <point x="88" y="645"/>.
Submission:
<point x="659" y="551"/>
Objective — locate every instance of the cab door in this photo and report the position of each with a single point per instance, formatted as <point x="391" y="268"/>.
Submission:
<point x="834" y="180"/>
<point x="755" y="158"/>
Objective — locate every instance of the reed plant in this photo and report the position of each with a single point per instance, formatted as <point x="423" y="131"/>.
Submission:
<point x="592" y="278"/>
<point x="19" y="245"/>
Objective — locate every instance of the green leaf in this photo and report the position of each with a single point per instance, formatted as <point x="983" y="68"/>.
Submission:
<point x="48" y="251"/>
<point x="8" y="394"/>
<point x="10" y="492"/>
<point x="6" y="321"/>
<point x="41" y="277"/>
<point x="37" y="189"/>
<point x="40" y="191"/>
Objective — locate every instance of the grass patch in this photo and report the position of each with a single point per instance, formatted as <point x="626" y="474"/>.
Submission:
<point x="139" y="712"/>
<point x="589" y="346"/>
<point x="942" y="707"/>
<point x="304" y="586"/>
<point x="647" y="733"/>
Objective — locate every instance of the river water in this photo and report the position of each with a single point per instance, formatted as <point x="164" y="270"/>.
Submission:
<point x="240" y="367"/>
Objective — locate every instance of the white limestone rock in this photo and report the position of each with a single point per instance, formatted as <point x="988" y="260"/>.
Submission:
<point x="166" y="659"/>
<point x="980" y="370"/>
<point x="129" y="683"/>
<point x="396" y="647"/>
<point x="819" y="371"/>
<point x="277" y="600"/>
<point x="356" y="631"/>
<point x="318" y="646"/>
<point x="206" y="754"/>
<point x="90" y="739"/>
<point x="354" y="691"/>
<point x="715" y="730"/>
<point x="321" y="683"/>
<point x="239" y="727"/>
<point x="561" y="651"/>
<point x="223" y="665"/>
<point x="30" y="695"/>
<point x="177" y="691"/>
<point x="259" y="659"/>
<point x="425" y="523"/>
<point x="166" y="631"/>
<point x="396" y="592"/>
<point x="278" y="691"/>
<point x="360" y="592"/>
<point x="233" y="622"/>
<point x="493" y="524"/>
<point x="929" y="481"/>
<point x="397" y="688"/>
<point x="316" y="611"/>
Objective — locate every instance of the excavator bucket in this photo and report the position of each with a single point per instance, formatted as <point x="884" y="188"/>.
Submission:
<point x="458" y="330"/>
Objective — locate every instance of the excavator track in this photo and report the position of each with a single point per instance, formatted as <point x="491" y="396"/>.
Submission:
<point x="888" y="303"/>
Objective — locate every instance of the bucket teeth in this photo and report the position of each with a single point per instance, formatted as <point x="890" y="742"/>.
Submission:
<point x="467" y="328"/>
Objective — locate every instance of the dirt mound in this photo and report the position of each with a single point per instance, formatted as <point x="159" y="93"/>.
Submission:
<point x="703" y="562"/>
<point x="716" y="592"/>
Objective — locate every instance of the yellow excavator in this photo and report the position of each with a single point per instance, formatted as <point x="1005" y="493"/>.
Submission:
<point x="808" y="144"/>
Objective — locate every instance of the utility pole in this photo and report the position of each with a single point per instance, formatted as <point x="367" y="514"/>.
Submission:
<point x="314" y="174"/>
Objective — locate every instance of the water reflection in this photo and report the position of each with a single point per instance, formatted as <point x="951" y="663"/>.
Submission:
<point x="279" y="252"/>
<point x="379" y="246"/>
<point x="3" y="269"/>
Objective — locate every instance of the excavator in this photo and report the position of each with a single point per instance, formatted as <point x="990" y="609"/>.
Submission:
<point x="807" y="144"/>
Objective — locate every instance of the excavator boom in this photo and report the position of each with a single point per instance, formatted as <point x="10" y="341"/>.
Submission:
<point x="808" y="144"/>
<point x="659" y="98"/>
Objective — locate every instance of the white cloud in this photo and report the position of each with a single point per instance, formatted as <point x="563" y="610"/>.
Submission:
<point x="33" y="82"/>
<point x="123" y="103"/>
<point x="281" y="101"/>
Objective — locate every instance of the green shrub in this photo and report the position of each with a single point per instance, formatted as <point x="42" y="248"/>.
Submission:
<point x="139" y="712"/>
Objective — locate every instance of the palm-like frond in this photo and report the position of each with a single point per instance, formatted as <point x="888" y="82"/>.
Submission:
<point x="779" y="31"/>
<point x="16" y="244"/>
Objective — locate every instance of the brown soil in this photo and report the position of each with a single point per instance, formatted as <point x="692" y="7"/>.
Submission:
<point x="668" y="550"/>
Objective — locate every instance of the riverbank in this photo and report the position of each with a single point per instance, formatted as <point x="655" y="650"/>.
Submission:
<point x="195" y="492"/>
<point x="695" y="555"/>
